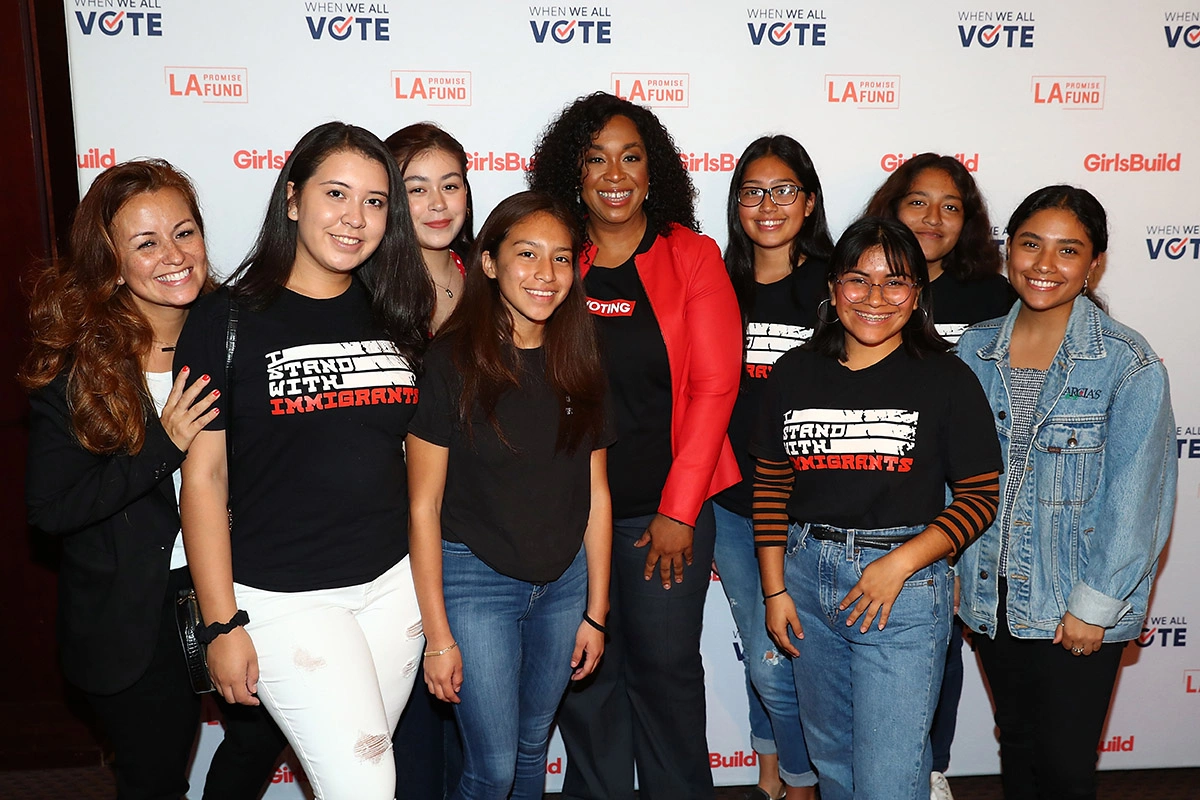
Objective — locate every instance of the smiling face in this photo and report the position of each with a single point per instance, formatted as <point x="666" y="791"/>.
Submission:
<point x="874" y="327"/>
<point x="769" y="225"/>
<point x="437" y="198"/>
<point x="340" y="215"/>
<point x="1050" y="258"/>
<point x="616" y="175"/>
<point x="161" y="251"/>
<point x="933" y="210"/>
<point x="534" y="269"/>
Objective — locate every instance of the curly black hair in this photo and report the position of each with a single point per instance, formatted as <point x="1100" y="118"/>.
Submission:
<point x="557" y="166"/>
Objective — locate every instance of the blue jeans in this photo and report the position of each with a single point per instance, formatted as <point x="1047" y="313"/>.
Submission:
<point x="770" y="686"/>
<point x="516" y="640"/>
<point x="867" y="699"/>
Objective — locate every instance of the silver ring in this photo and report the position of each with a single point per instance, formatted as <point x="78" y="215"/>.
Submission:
<point x="1077" y="651"/>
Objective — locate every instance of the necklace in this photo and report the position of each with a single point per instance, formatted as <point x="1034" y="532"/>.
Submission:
<point x="165" y="347"/>
<point x="445" y="289"/>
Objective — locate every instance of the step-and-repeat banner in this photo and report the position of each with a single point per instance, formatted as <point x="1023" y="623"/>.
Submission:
<point x="1095" y="93"/>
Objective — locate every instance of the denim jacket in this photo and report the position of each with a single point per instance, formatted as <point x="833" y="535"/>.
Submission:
<point x="1097" y="492"/>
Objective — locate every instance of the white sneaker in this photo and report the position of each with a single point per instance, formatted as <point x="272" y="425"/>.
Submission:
<point x="939" y="787"/>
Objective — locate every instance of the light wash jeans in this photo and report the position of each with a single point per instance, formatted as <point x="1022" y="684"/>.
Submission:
<point x="867" y="699"/>
<point x="336" y="667"/>
<point x="516" y="640"/>
<point x="770" y="685"/>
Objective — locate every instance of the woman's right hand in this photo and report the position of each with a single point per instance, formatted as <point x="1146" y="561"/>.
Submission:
<point x="183" y="416"/>
<point x="444" y="674"/>
<point x="781" y="613"/>
<point x="233" y="666"/>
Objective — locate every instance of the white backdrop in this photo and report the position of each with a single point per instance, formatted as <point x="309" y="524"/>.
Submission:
<point x="1094" y="93"/>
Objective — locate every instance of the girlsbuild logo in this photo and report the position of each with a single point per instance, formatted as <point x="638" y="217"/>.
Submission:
<point x="1183" y="27"/>
<point x="890" y="162"/>
<point x="1174" y="242"/>
<point x="1134" y="162"/>
<point x="128" y="17"/>
<point x="571" y="24"/>
<point x="363" y="22"/>
<point x="1003" y="29"/>
<point x="94" y="159"/>
<point x="783" y="26"/>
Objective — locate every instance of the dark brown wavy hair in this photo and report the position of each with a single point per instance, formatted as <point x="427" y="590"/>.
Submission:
<point x="420" y="138"/>
<point x="975" y="255"/>
<point x="83" y="322"/>
<point x="481" y="340"/>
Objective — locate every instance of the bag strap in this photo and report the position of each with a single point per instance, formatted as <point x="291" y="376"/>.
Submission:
<point x="230" y="346"/>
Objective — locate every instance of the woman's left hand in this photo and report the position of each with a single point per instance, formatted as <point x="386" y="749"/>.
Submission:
<point x="875" y="591"/>
<point x="589" y="646"/>
<point x="1078" y="636"/>
<point x="670" y="547"/>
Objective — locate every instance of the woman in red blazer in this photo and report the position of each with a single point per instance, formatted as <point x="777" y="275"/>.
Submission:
<point x="671" y="332"/>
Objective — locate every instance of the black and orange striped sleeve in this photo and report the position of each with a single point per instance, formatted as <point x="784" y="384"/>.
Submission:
<point x="773" y="482"/>
<point x="976" y="500"/>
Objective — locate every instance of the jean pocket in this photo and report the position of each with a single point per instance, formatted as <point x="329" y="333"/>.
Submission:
<point x="455" y="549"/>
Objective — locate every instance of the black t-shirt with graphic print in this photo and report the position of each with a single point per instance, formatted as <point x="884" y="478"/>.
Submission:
<point x="635" y="359"/>
<point x="321" y="405"/>
<point x="874" y="448"/>
<point x="521" y="507"/>
<point x="783" y="317"/>
<point x="959" y="304"/>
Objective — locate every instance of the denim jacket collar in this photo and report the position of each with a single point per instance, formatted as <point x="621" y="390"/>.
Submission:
<point x="1083" y="339"/>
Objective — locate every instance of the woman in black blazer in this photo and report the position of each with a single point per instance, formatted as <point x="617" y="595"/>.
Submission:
<point x="108" y="430"/>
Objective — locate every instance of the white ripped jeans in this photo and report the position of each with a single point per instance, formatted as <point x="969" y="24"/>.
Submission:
<point x="336" y="667"/>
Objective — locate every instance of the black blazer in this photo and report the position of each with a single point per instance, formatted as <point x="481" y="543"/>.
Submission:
<point x="118" y="518"/>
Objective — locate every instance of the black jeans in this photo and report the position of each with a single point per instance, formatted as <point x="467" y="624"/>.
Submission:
<point x="1050" y="709"/>
<point x="645" y="702"/>
<point x="152" y="724"/>
<point x="245" y="760"/>
<point x="426" y="747"/>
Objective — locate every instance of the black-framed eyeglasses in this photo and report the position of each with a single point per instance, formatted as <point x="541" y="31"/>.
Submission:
<point x="782" y="195"/>
<point x="894" y="291"/>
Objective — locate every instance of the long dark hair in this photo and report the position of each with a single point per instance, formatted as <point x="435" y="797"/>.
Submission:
<point x="558" y="161"/>
<point x="418" y="139"/>
<point x="84" y="322"/>
<point x="813" y="240"/>
<point x="1080" y="202"/>
<point x="904" y="257"/>
<point x="974" y="255"/>
<point x="481" y="340"/>
<point x="401" y="290"/>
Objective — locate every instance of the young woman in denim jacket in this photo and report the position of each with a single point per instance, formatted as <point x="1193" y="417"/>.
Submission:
<point x="1061" y="580"/>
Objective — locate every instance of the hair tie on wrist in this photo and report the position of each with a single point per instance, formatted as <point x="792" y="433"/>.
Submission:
<point x="593" y="623"/>
<point x="767" y="597"/>
<point x="208" y="633"/>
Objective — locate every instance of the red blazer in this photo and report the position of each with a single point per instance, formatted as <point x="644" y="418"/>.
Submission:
<point x="697" y="313"/>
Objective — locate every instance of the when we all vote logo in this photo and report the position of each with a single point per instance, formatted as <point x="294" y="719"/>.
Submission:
<point x="571" y="24"/>
<point x="116" y="17"/>
<point x="1003" y="29"/>
<point x="1173" y="242"/>
<point x="364" y="22"/>
<point x="787" y="27"/>
<point x="1183" y="27"/>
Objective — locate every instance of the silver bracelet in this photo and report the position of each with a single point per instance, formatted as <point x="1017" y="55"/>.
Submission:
<point x="442" y="652"/>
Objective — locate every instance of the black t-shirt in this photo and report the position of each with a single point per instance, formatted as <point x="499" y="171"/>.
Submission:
<point x="639" y="374"/>
<point x="522" y="509"/>
<point x="321" y="404"/>
<point x="874" y="448"/>
<point x="958" y="304"/>
<point x="783" y="317"/>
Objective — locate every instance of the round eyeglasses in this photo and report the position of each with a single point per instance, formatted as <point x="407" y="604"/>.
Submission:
<point x="782" y="195"/>
<point x="894" y="291"/>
